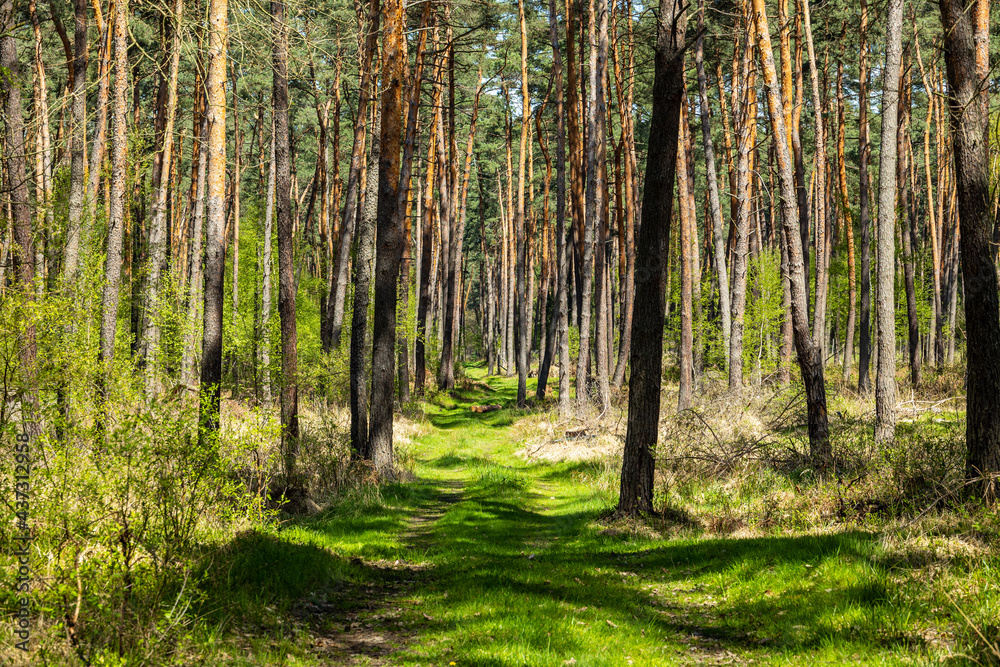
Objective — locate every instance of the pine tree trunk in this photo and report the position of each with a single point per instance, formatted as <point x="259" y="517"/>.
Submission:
<point x="846" y="218"/>
<point x="907" y="229"/>
<point x="597" y="143"/>
<point x="157" y="261"/>
<point x="360" y="390"/>
<point x="195" y="283"/>
<point x="631" y="207"/>
<point x="78" y="136"/>
<point x="119" y="164"/>
<point x="864" y="222"/>
<point x="822" y="259"/>
<point x="22" y="253"/>
<point x="215" y="246"/>
<point x="646" y="357"/>
<point x="719" y="243"/>
<point x="339" y="275"/>
<point x="684" y="253"/>
<point x="561" y="315"/>
<point x="289" y="397"/>
<point x="406" y="169"/>
<point x="100" y="122"/>
<point x="389" y="244"/>
<point x="966" y="28"/>
<point x="809" y="355"/>
<point x="885" y="317"/>
<point x="745" y="118"/>
<point x="520" y="219"/>
<point x="426" y="248"/>
<point x="266" y="262"/>
<point x="446" y="367"/>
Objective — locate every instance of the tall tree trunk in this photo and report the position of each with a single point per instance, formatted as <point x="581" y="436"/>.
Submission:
<point x="215" y="236"/>
<point x="101" y="121"/>
<point x="845" y="216"/>
<point x="157" y="259"/>
<point x="520" y="219"/>
<point x="338" y="276"/>
<point x="577" y="174"/>
<point x="446" y="368"/>
<point x="966" y="29"/>
<point x="22" y="254"/>
<point x="809" y="355"/>
<point x="389" y="244"/>
<point x="119" y="164"/>
<point x="43" y="149"/>
<point x="718" y="240"/>
<point x="907" y="229"/>
<point x="194" y="293"/>
<point x="684" y="253"/>
<point x="289" y="396"/>
<point x="406" y="169"/>
<point x="266" y="262"/>
<point x="631" y="202"/>
<point x="78" y="137"/>
<point x="426" y="248"/>
<point x="864" y="222"/>
<point x="360" y="390"/>
<point x="822" y="257"/>
<point x="463" y="194"/>
<point x="937" y="321"/>
<point x="885" y="317"/>
<point x="597" y="144"/>
<point x="561" y="317"/>
<point x="646" y="357"/>
<point x="746" y="117"/>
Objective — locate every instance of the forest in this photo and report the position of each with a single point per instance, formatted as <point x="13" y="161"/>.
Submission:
<point x="500" y="332"/>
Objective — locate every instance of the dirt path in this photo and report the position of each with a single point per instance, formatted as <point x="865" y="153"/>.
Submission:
<point x="365" y="625"/>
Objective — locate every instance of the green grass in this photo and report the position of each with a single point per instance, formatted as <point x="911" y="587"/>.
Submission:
<point x="486" y="559"/>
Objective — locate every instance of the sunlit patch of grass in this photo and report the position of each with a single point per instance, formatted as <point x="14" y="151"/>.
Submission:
<point x="507" y="561"/>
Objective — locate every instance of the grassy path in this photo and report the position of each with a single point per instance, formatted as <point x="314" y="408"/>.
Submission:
<point x="486" y="559"/>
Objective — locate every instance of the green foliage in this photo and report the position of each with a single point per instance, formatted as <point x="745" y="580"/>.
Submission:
<point x="764" y="314"/>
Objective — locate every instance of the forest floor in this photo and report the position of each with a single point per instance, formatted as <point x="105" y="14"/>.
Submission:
<point x="487" y="557"/>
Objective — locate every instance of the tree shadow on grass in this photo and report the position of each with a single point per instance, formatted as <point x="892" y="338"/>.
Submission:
<point x="505" y="562"/>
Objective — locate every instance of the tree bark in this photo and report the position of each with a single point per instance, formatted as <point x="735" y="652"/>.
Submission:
<point x="195" y="286"/>
<point x="907" y="231"/>
<point x="809" y="355"/>
<point x="266" y="261"/>
<point x="157" y="258"/>
<point x="822" y="258"/>
<point x="561" y="316"/>
<point x="685" y="251"/>
<point x="646" y="356"/>
<point x="22" y="254"/>
<point x="389" y="244"/>
<point x="426" y="248"/>
<point x="864" y="222"/>
<point x="100" y="122"/>
<point x="746" y="116"/>
<point x="885" y="316"/>
<point x="597" y="150"/>
<point x="338" y="277"/>
<point x="215" y="246"/>
<point x="119" y="164"/>
<point x="846" y="218"/>
<point x="966" y="29"/>
<point x="360" y="390"/>
<point x="520" y="219"/>
<point x="289" y="397"/>
<point x="78" y="136"/>
<point x="718" y="240"/>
